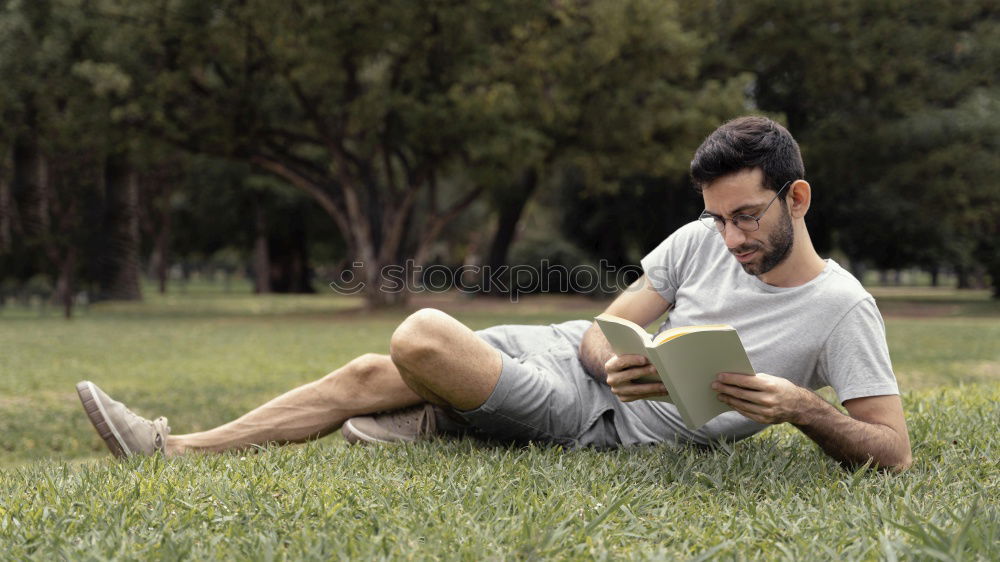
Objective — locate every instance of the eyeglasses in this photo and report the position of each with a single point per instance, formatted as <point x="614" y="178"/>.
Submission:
<point x="746" y="223"/>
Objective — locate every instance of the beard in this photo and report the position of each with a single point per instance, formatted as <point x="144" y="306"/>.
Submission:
<point x="774" y="251"/>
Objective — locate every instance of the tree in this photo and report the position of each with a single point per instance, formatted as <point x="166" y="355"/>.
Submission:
<point x="378" y="109"/>
<point x="57" y="136"/>
<point x="892" y="106"/>
<point x="612" y="91"/>
<point x="354" y="104"/>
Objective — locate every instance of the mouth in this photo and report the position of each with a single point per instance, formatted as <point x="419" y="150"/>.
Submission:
<point x="744" y="257"/>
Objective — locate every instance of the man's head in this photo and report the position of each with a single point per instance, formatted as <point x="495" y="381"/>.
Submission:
<point x="741" y="170"/>
<point x="746" y="143"/>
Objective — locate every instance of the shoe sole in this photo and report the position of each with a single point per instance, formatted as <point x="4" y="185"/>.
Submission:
<point x="353" y="435"/>
<point x="99" y="418"/>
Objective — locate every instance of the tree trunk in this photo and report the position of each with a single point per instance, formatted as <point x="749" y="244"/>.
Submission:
<point x="979" y="278"/>
<point x="994" y="270"/>
<point x="126" y="284"/>
<point x="964" y="281"/>
<point x="26" y="185"/>
<point x="6" y="240"/>
<point x="66" y="282"/>
<point x="159" y="259"/>
<point x="118" y="257"/>
<point x="385" y="290"/>
<point x="261" y="257"/>
<point x="289" y="254"/>
<point x="6" y="205"/>
<point x="510" y="208"/>
<point x="64" y="259"/>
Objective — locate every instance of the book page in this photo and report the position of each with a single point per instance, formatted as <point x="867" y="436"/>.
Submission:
<point x="628" y="338"/>
<point x="692" y="362"/>
<point x="672" y="333"/>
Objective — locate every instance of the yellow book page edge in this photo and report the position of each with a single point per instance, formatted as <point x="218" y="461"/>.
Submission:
<point x="675" y="333"/>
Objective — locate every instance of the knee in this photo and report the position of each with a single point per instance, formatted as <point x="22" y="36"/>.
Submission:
<point x="419" y="337"/>
<point x="368" y="365"/>
<point x="359" y="372"/>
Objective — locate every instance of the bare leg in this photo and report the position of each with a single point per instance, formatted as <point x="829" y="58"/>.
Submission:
<point x="367" y="384"/>
<point x="444" y="361"/>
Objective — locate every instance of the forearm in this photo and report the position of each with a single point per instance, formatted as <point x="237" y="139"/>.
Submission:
<point x="595" y="352"/>
<point x="850" y="441"/>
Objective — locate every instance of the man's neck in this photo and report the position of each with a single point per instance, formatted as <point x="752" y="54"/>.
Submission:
<point x="801" y="266"/>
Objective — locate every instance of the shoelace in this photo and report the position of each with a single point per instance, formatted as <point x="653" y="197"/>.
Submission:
<point x="425" y="420"/>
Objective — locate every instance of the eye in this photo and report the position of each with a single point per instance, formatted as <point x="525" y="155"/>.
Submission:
<point x="745" y="222"/>
<point x="709" y="220"/>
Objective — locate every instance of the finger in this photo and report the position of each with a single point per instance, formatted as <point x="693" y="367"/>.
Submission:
<point x="759" y="418"/>
<point x="622" y="362"/>
<point x="645" y="389"/>
<point x="635" y="391"/>
<point x="629" y="388"/>
<point x="648" y="396"/>
<point x="642" y="397"/>
<point x="622" y="377"/>
<point x="743" y="406"/>
<point x="743" y="380"/>
<point x="747" y="395"/>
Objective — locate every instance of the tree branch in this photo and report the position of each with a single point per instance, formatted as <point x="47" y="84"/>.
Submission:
<point x="395" y="226"/>
<point x="309" y="106"/>
<point x="292" y="135"/>
<point x="437" y="223"/>
<point x="328" y="203"/>
<point x="303" y="166"/>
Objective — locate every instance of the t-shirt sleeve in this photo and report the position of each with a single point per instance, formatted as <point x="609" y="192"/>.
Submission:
<point x="663" y="265"/>
<point x="855" y="360"/>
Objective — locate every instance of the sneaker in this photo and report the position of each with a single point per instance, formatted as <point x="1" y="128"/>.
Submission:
<point x="124" y="432"/>
<point x="408" y="424"/>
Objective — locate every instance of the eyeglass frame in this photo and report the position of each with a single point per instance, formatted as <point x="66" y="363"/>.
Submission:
<point x="756" y="219"/>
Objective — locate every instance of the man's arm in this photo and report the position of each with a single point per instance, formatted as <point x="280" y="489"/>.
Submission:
<point x="641" y="304"/>
<point x="875" y="429"/>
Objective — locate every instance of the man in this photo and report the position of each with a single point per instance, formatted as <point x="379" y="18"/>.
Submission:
<point x="748" y="261"/>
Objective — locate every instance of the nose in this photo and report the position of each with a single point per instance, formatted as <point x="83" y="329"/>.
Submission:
<point x="733" y="236"/>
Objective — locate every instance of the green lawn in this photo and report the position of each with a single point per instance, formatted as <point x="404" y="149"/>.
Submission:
<point x="203" y="357"/>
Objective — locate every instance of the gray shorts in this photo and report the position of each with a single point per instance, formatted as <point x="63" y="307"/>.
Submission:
<point x="544" y="394"/>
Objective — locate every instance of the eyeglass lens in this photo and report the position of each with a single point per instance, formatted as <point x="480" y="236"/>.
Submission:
<point x="742" y="222"/>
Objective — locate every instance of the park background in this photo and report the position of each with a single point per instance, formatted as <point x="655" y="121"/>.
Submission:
<point x="184" y="180"/>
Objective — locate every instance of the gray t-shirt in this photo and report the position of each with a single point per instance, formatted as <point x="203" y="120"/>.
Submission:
<point x="827" y="332"/>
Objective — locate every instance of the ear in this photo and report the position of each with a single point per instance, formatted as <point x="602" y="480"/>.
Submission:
<point x="799" y="197"/>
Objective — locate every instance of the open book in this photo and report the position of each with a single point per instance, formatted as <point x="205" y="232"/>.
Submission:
<point x="687" y="359"/>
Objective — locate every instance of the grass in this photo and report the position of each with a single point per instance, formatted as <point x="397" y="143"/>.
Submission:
<point x="203" y="358"/>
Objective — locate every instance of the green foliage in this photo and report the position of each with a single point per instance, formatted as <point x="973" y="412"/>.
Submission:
<point x="894" y="104"/>
<point x="364" y="105"/>
<point x="395" y="117"/>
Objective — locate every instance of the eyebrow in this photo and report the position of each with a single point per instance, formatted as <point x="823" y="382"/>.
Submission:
<point x="741" y="210"/>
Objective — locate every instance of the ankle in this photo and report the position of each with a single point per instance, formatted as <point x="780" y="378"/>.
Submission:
<point x="174" y="447"/>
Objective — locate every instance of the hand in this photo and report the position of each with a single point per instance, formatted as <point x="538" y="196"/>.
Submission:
<point x="763" y="398"/>
<point x="623" y="369"/>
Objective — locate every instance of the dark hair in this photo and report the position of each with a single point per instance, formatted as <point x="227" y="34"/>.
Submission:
<point x="747" y="143"/>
